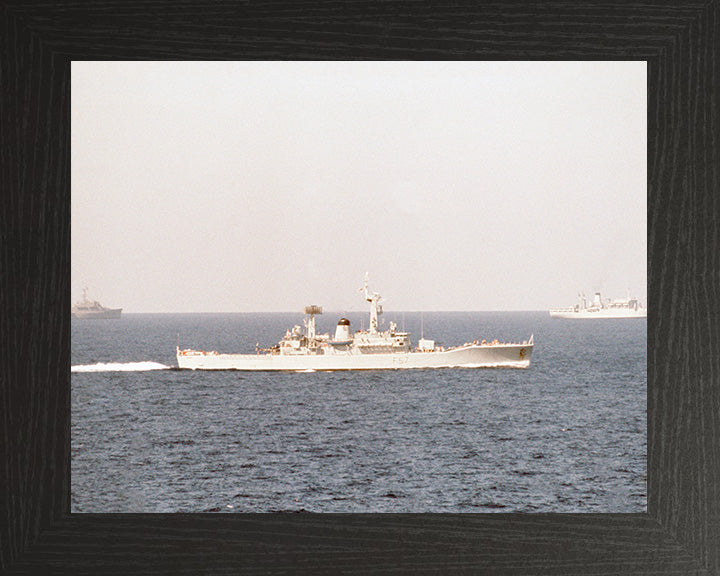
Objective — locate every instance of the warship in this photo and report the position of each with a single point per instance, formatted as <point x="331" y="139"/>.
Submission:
<point x="93" y="310"/>
<point x="629" y="307"/>
<point x="370" y="349"/>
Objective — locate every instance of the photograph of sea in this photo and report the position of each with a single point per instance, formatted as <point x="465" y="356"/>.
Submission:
<point x="567" y="434"/>
<point x="227" y="357"/>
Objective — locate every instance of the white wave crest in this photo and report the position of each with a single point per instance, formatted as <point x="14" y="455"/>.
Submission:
<point x="119" y="367"/>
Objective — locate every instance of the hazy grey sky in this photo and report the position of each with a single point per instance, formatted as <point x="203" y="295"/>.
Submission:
<point x="262" y="186"/>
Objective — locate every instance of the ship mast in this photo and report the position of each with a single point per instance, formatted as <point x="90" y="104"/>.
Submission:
<point x="310" y="322"/>
<point x="375" y="308"/>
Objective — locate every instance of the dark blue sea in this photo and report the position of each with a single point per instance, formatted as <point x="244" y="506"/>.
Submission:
<point x="568" y="434"/>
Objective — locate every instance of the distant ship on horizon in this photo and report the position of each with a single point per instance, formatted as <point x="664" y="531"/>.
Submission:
<point x="629" y="307"/>
<point x="86" y="309"/>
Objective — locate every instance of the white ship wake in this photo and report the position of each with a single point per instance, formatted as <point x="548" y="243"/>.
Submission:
<point x="119" y="367"/>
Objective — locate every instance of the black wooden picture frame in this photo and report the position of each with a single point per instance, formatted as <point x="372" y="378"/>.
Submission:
<point x="680" y="533"/>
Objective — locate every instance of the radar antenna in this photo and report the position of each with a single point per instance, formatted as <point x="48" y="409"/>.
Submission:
<point x="310" y="322"/>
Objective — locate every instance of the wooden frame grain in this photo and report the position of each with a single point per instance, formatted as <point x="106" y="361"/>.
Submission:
<point x="680" y="534"/>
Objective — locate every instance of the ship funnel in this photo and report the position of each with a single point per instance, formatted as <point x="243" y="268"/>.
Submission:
<point x="596" y="300"/>
<point x="342" y="332"/>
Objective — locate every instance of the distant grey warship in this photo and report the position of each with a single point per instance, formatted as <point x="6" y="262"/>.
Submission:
<point x="92" y="310"/>
<point x="364" y="350"/>
<point x="629" y="307"/>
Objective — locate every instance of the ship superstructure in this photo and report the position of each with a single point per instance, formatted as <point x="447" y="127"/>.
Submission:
<point x="629" y="307"/>
<point x="370" y="349"/>
<point x="87" y="309"/>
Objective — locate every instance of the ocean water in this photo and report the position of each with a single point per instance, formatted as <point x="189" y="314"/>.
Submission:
<point x="568" y="434"/>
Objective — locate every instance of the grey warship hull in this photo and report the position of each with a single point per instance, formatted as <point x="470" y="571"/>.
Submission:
<point x="369" y="349"/>
<point x="472" y="356"/>
<point x="104" y="314"/>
